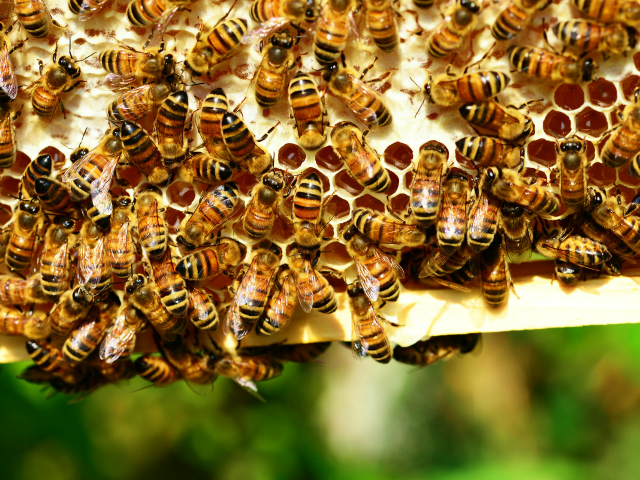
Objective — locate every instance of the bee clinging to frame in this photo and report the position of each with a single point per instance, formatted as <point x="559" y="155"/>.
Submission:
<point x="426" y="186"/>
<point x="272" y="73"/>
<point x="547" y="65"/>
<point x="311" y="213"/>
<point x="314" y="290"/>
<point x="171" y="286"/>
<point x="490" y="152"/>
<point x="119" y="243"/>
<point x="567" y="273"/>
<point x="55" y="261"/>
<point x="623" y="145"/>
<point x="208" y="262"/>
<point x="94" y="268"/>
<point x="442" y="347"/>
<point x="517" y="233"/>
<point x="8" y="143"/>
<point x="381" y="22"/>
<point x="136" y="103"/>
<point x="170" y="128"/>
<point x="8" y="82"/>
<point x="308" y="110"/>
<point x="281" y="305"/>
<point x="121" y="336"/>
<point x="242" y="146"/>
<point x="574" y="249"/>
<point x="151" y="226"/>
<point x="452" y="221"/>
<point x="380" y="228"/>
<point x="483" y="217"/>
<point x="142" y="152"/>
<point x="40" y="167"/>
<point x="202" y="310"/>
<point x="494" y="272"/>
<point x="34" y="16"/>
<point x="459" y="21"/>
<point x="609" y="212"/>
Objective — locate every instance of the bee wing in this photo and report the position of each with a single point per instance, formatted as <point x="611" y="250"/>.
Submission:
<point x="60" y="257"/>
<point x="281" y="303"/>
<point x="248" y="285"/>
<point x="134" y="96"/>
<point x="307" y="289"/>
<point x="476" y="222"/>
<point x="88" y="258"/>
<point x="121" y="233"/>
<point x="328" y="213"/>
<point x="450" y="284"/>
<point x="118" y="339"/>
<point x="264" y="30"/>
<point x="8" y="81"/>
<point x="362" y="89"/>
<point x="72" y="172"/>
<point x="85" y="329"/>
<point x="88" y="10"/>
<point x="516" y="257"/>
<point x="359" y="345"/>
<point x="117" y="82"/>
<point x="390" y="261"/>
<point x="100" y="188"/>
<point x="369" y="283"/>
<point x="249" y="387"/>
<point x="163" y="21"/>
<point x="212" y="224"/>
<point x="201" y="388"/>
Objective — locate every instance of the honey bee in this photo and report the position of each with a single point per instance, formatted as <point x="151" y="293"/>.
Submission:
<point x="362" y="161"/>
<point x="310" y="213"/>
<point x="428" y="352"/>
<point x="377" y="271"/>
<point x="102" y="220"/>
<point x="34" y="16"/>
<point x="20" y="291"/>
<point x="119" y="244"/>
<point x="613" y="266"/>
<point x="8" y="145"/>
<point x="171" y="286"/>
<point x="368" y="336"/>
<point x="202" y="310"/>
<point x="426" y="192"/>
<point x="300" y="353"/>
<point x="507" y="185"/>
<point x="379" y="228"/>
<point x="281" y="304"/>
<point x="27" y="221"/>
<point x="126" y="64"/>
<point x="55" y="262"/>
<point x="314" y="291"/>
<point x="272" y="73"/>
<point x="87" y="9"/>
<point x="494" y="273"/>
<point x="14" y="322"/>
<point x="609" y="213"/>
<point x="206" y="168"/>
<point x="516" y="232"/>
<point x="170" y="124"/>
<point x="41" y="167"/>
<point x="196" y="369"/>
<point x="381" y="22"/>
<point x="448" y="37"/>
<point x="113" y="372"/>
<point x="215" y="208"/>
<point x="73" y="306"/>
<point x="623" y="145"/>
<point x="245" y="370"/>
<point x="452" y="221"/>
<point x="614" y="244"/>
<point x="573" y="249"/>
<point x="8" y="83"/>
<point x="364" y="102"/>
<point x="50" y="359"/>
<point x="613" y="39"/>
<point x="332" y="30"/>
<point x="490" y="152"/>
<point x="572" y="164"/>
<point x="143" y="153"/>
<point x="141" y="13"/>
<point x="136" y="103"/>
<point x="307" y="111"/>
<point x="546" y="65"/>
<point x="275" y="14"/>
<point x="54" y="196"/>
<point x="440" y="263"/>
<point x="259" y="217"/>
<point x="156" y="370"/>
<point x="516" y="18"/>
<point x="91" y="382"/>
<point x="567" y="273"/>
<point x="483" y="218"/>
<point x="151" y="227"/>
<point x="208" y="120"/>
<point x="506" y="122"/>
<point x="252" y="293"/>
<point x="121" y="336"/>
<point x="607" y="11"/>
<point x="209" y="262"/>
<point x="468" y="88"/>
<point x="242" y="145"/>
<point x="222" y="40"/>
<point x="94" y="268"/>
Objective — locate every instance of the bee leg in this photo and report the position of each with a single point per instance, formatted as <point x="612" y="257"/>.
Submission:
<point x="40" y="67"/>
<point x="513" y="288"/>
<point x="149" y="38"/>
<point x="62" y="109"/>
<point x="68" y="89"/>
<point x="263" y="137"/>
<point x="364" y="72"/>
<point x="419" y="30"/>
<point x="17" y="46"/>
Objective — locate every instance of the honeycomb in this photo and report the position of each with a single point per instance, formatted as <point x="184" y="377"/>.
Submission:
<point x="588" y="110"/>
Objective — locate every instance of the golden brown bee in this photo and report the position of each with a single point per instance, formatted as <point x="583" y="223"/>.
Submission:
<point x="567" y="273"/>
<point x="379" y="228"/>
<point x="222" y="40"/>
<point x="119" y="244"/>
<point x="259" y="217"/>
<point x="8" y="82"/>
<point x="506" y="122"/>
<point x="170" y="125"/>
<point x="252" y="293"/>
<point x="242" y="145"/>
<point x="483" y="217"/>
<point x="365" y="103"/>
<point x="14" y="322"/>
<point x="50" y="359"/>
<point x="516" y="232"/>
<point x="245" y="370"/>
<point x="196" y="369"/>
<point x="274" y="14"/>
<point x="86" y="9"/>
<point x="209" y="262"/>
<point x="362" y="161"/>
<point x="307" y="111"/>
<point x="426" y="191"/>
<point x="8" y="145"/>
<point x="507" y="185"/>
<point x="314" y="291"/>
<point x="490" y="152"/>
<point x="202" y="310"/>
<point x="126" y="64"/>
<point x="428" y="352"/>
<point x="151" y="227"/>
<point x="516" y="18"/>
<point x="73" y="306"/>
<point x="281" y="305"/>
<point x="495" y="273"/>
<point x="452" y="221"/>
<point x="54" y="196"/>
<point x="34" y="16"/>
<point x="102" y="220"/>
<point x="572" y="164"/>
<point x="606" y="11"/>
<point x="215" y="208"/>
<point x="609" y="213"/>
<point x="439" y="263"/>
<point x="156" y="370"/>
<point x="573" y="249"/>
<point x="208" y="120"/>
<point x="459" y="21"/>
<point x="547" y="65"/>
<point x="206" y="168"/>
<point x="121" y="336"/>
<point x="381" y="22"/>
<point x="94" y="269"/>
<point x="27" y="220"/>
<point x="613" y="39"/>
<point x="378" y="272"/>
<point x="141" y="13"/>
<point x="271" y="77"/>
<point x="614" y="244"/>
<point x="171" y="286"/>
<point x="19" y="291"/>
<point x="41" y="167"/>
<point x="143" y="153"/>
<point x="332" y="30"/>
<point x="55" y="262"/>
<point x="308" y="212"/>
<point x="113" y="372"/>
<point x="468" y="88"/>
<point x="136" y="103"/>
<point x="623" y="145"/>
<point x="368" y="336"/>
<point x="300" y="353"/>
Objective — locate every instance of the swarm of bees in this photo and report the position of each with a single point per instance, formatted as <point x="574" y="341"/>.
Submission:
<point x="93" y="267"/>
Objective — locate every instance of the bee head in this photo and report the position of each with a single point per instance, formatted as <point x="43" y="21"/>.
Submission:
<point x="28" y="207"/>
<point x="434" y="146"/>
<point x="588" y="69"/>
<point x="69" y="65"/>
<point x="329" y="71"/>
<point x="573" y="144"/>
<point x="169" y="65"/>
<point x="471" y="6"/>
<point x="310" y="13"/>
<point x="134" y="283"/>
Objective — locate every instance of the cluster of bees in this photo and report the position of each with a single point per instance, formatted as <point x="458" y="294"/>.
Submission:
<point x="69" y="237"/>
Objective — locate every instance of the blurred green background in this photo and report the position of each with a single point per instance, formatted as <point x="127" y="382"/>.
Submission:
<point x="553" y="404"/>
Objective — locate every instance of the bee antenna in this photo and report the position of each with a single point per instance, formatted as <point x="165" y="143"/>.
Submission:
<point x="70" y="37"/>
<point x="90" y="55"/>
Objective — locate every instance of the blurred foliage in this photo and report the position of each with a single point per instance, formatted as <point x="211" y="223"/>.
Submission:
<point x="553" y="404"/>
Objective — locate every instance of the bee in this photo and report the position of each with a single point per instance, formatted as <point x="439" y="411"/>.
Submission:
<point x="613" y="39"/>
<point x="368" y="336"/>
<point x="307" y="111"/>
<point x="215" y="208"/>
<point x="468" y="88"/>
<point x="121" y="336"/>
<point x="252" y="293"/>
<point x="506" y="122"/>
<point x="362" y="161"/>
<point x="613" y="266"/>
<point x="91" y="382"/>
<point x="516" y="232"/>
<point x="54" y="196"/>
<point x="19" y="291"/>
<point x="494" y="273"/>
<point x="50" y="359"/>
<point x="259" y="217"/>
<point x="428" y="352"/>
<point x="206" y="168"/>
<point x="314" y="291"/>
<point x="379" y="228"/>
<point x="27" y="221"/>
<point x="300" y="353"/>
<point x="440" y="263"/>
<point x="126" y="64"/>
<point x="102" y="220"/>
<point x="245" y="370"/>
<point x="94" y="268"/>
<point x="156" y="370"/>
<point x="608" y="212"/>
<point x="141" y="13"/>
<point x="308" y="212"/>
<point x="623" y="145"/>
<point x="151" y="227"/>
<point x="242" y="145"/>
<point x="452" y="221"/>
<point x="202" y="310"/>
<point x="426" y="191"/>
<point x="377" y="271"/>
<point x="8" y="82"/>
<point x="223" y="39"/>
<point x="507" y="185"/>
<point x="281" y="304"/>
<point x="170" y="124"/>
<point x="41" y="167"/>
<point x="8" y="145"/>
<point x="567" y="273"/>
<point x="87" y="9"/>
<point x="275" y="14"/>
<point x="115" y="371"/>
<point x="14" y="322"/>
<point x="332" y="30"/>
<point x="34" y="16"/>
<point x="573" y="249"/>
<point x="119" y="244"/>
<point x="272" y="73"/>
<point x="608" y="11"/>
<point x="615" y="245"/>
<point x="516" y="18"/>
<point x="483" y="218"/>
<point x="55" y="262"/>
<point x="136" y="103"/>
<point x="381" y="22"/>
<point x="143" y="296"/>
<point x="209" y="262"/>
<point x="490" y="152"/>
<point x="208" y="120"/>
<point x="171" y="286"/>
<point x="460" y="19"/>
<point x="73" y="306"/>
<point x="546" y="65"/>
<point x="364" y="102"/>
<point x="196" y="369"/>
<point x="143" y="153"/>
<point x="572" y="164"/>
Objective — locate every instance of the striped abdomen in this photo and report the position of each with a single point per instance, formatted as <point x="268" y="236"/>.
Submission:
<point x="156" y="370"/>
<point x="307" y="110"/>
<point x="582" y="34"/>
<point x="142" y="152"/>
<point x="581" y="251"/>
<point x="85" y="338"/>
<point x="510" y="22"/>
<point x="256" y="369"/>
<point x="20" y="248"/>
<point x="202" y="310"/>
<point x="33" y="17"/>
<point x="324" y="299"/>
<point x="258" y="219"/>
<point x="213" y="109"/>
<point x="494" y="274"/>
<point x="573" y="183"/>
<point x="86" y="175"/>
<point x="623" y="144"/>
<point x="372" y="332"/>
<point x="200" y="265"/>
<point x="270" y="82"/>
<point x="382" y="24"/>
<point x="452" y="221"/>
<point x="152" y="231"/>
<point x="280" y="307"/>
<point x="475" y="87"/>
<point x="93" y="264"/>
<point x="366" y="168"/>
<point x="263" y="10"/>
<point x="53" y="195"/>
<point x="389" y="285"/>
<point x="331" y="36"/>
<point x="44" y="101"/>
<point x="42" y="166"/>
<point x="628" y="230"/>
<point x="426" y="193"/>
<point x="8" y="147"/>
<point x="443" y="41"/>
<point x="612" y="242"/>
<point x="369" y="107"/>
<point x="167" y="325"/>
<point x="121" y="250"/>
<point x="144" y="12"/>
<point x="441" y="263"/>
<point x="237" y="137"/>
<point x="538" y="62"/>
<point x="489" y="151"/>
<point x="488" y="114"/>
<point x="171" y="286"/>
<point x="225" y="37"/>
<point x="483" y="222"/>
<point x="567" y="273"/>
<point x="307" y="200"/>
<point x="207" y="168"/>
<point x="132" y="105"/>
<point x="54" y="269"/>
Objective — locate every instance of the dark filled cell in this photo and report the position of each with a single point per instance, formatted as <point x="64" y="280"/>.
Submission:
<point x="328" y="159"/>
<point x="600" y="175"/>
<point x="9" y="186"/>
<point x="342" y="208"/>
<point x="543" y="152"/>
<point x="636" y="60"/>
<point x="557" y="124"/>
<point x="592" y="122"/>
<point x="602" y="93"/>
<point x="245" y="181"/>
<point x="399" y="203"/>
<point x="464" y="161"/>
<point x="181" y="193"/>
<point x="131" y="175"/>
<point x="625" y="178"/>
<point x="394" y="183"/>
<point x="569" y="96"/>
<point x="338" y="283"/>
<point x="173" y="218"/>
<point x="629" y="85"/>
<point x="408" y="178"/>
<point x="370" y="202"/>
<point x="336" y="252"/>
<point x="291" y="156"/>
<point x="5" y="214"/>
<point x="22" y="160"/>
<point x="348" y="183"/>
<point x="398" y="155"/>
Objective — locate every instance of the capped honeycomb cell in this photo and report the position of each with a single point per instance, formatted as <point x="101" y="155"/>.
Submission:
<point x="22" y="160"/>
<point x="347" y="183"/>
